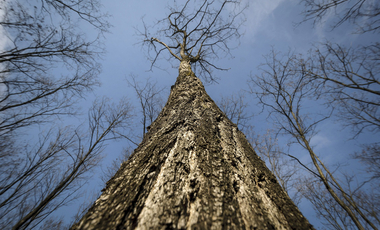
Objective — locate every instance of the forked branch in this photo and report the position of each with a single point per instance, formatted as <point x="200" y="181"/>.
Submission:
<point x="197" y="33"/>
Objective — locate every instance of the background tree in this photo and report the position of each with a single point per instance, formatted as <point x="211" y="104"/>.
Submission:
<point x="149" y="97"/>
<point x="331" y="215"/>
<point x="51" y="173"/>
<point x="41" y="174"/>
<point x="363" y="13"/>
<point x="370" y="156"/>
<point x="235" y="108"/>
<point x="284" y="87"/>
<point x="350" y="79"/>
<point x="196" y="34"/>
<point x="110" y="171"/>
<point x="284" y="168"/>
<point x="266" y="146"/>
<point x="37" y="43"/>
<point x="150" y="100"/>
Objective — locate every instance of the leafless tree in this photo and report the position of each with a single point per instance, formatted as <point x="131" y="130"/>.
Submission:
<point x="150" y="100"/>
<point x="370" y="156"/>
<point x="54" y="224"/>
<point x="41" y="37"/>
<point x="47" y="64"/>
<point x="111" y="170"/>
<point x="363" y="13"/>
<point x="284" y="168"/>
<point x="90" y="198"/>
<point x="149" y="96"/>
<point x="266" y="146"/>
<point x="329" y="211"/>
<point x="351" y="79"/>
<point x="196" y="34"/>
<point x="54" y="170"/>
<point x="284" y="87"/>
<point x="324" y="205"/>
<point x="235" y="108"/>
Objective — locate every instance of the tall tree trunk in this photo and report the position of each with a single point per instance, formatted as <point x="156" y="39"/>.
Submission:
<point x="193" y="170"/>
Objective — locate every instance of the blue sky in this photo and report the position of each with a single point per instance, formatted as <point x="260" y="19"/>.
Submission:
<point x="269" y="24"/>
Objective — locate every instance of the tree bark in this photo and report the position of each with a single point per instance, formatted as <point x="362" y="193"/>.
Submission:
<point x="193" y="170"/>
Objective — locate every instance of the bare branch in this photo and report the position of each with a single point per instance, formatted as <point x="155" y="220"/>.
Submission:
<point x="43" y="35"/>
<point x="351" y="78"/>
<point x="282" y="88"/>
<point x="54" y="172"/>
<point x="363" y="13"/>
<point x="235" y="109"/>
<point x="198" y="33"/>
<point x="149" y="96"/>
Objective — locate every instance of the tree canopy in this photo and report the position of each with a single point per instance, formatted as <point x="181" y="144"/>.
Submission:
<point x="197" y="32"/>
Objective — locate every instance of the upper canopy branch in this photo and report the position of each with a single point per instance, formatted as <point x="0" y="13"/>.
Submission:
<point x="198" y="33"/>
<point x="364" y="14"/>
<point x="156" y="40"/>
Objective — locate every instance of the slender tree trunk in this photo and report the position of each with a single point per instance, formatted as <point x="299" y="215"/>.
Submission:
<point x="193" y="170"/>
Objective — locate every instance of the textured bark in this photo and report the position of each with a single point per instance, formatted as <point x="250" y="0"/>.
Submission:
<point x="193" y="170"/>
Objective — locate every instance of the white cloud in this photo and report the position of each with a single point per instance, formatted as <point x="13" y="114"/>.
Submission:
<point x="4" y="43"/>
<point x="320" y="142"/>
<point x="324" y="25"/>
<point x="257" y="12"/>
<point x="4" y="36"/>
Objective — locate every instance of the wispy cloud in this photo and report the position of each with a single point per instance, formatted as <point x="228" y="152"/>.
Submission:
<point x="257" y="12"/>
<point x="320" y="141"/>
<point x="4" y="43"/>
<point x="4" y="36"/>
